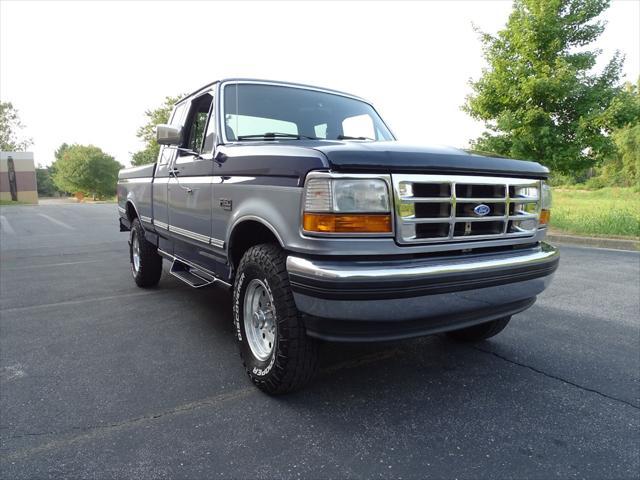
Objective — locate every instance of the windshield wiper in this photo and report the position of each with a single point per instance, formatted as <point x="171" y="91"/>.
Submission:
<point x="347" y="137"/>
<point x="269" y="135"/>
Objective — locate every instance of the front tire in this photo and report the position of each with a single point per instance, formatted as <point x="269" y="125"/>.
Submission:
<point x="480" y="332"/>
<point x="146" y="264"/>
<point x="276" y="352"/>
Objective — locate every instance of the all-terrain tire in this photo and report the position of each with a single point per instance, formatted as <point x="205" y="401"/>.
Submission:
<point x="292" y="361"/>
<point x="149" y="269"/>
<point x="480" y="332"/>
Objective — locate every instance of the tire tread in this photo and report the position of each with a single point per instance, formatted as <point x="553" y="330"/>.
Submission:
<point x="297" y="354"/>
<point x="150" y="270"/>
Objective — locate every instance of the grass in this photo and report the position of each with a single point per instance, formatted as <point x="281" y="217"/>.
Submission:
<point x="608" y="212"/>
<point x="10" y="202"/>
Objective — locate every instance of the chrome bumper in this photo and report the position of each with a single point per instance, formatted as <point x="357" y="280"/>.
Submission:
<point x="385" y="299"/>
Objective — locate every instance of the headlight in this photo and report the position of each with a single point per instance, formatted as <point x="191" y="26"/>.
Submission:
<point x="545" y="204"/>
<point x="367" y="195"/>
<point x="347" y="205"/>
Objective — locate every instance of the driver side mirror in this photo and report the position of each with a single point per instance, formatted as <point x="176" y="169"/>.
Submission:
<point x="168" y="135"/>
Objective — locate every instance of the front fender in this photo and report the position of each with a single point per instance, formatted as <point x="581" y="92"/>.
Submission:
<point x="261" y="212"/>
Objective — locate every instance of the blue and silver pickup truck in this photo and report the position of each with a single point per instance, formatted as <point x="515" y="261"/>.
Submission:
<point x="301" y="200"/>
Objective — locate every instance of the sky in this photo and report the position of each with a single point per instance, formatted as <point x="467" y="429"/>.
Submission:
<point x="85" y="72"/>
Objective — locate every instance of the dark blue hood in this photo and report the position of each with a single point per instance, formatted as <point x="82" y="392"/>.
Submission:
<point x="399" y="157"/>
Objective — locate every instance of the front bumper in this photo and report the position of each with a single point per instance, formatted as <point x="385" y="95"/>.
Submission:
<point x="371" y="300"/>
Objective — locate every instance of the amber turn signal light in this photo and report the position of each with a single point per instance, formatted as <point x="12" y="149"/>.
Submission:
<point x="339" y="223"/>
<point x="545" y="216"/>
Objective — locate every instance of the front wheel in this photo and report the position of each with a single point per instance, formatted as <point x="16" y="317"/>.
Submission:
<point x="276" y="352"/>
<point x="480" y="332"/>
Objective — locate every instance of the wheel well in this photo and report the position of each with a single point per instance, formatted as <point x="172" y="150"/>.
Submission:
<point x="131" y="212"/>
<point x="246" y="235"/>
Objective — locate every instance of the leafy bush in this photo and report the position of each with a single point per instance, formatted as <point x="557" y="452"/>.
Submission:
<point x="595" y="183"/>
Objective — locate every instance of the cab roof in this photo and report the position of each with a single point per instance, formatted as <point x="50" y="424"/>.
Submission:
<point x="276" y="82"/>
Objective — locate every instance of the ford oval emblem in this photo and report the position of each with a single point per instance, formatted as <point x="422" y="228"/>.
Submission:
<point x="481" y="210"/>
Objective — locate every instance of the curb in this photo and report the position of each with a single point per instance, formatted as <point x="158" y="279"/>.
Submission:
<point x="613" y="243"/>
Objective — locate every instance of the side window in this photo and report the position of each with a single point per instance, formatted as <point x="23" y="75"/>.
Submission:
<point x="358" y="126"/>
<point x="196" y="122"/>
<point x="210" y="136"/>
<point x="176" y="119"/>
<point x="178" y="113"/>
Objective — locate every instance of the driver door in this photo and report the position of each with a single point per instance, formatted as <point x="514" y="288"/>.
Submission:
<point x="190" y="186"/>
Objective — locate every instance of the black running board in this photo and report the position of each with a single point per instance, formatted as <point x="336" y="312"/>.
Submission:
<point x="190" y="275"/>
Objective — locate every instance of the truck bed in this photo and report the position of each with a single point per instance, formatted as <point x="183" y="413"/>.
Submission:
<point x="135" y="185"/>
<point x="144" y="171"/>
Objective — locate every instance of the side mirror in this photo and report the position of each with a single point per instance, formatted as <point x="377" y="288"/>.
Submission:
<point x="168" y="135"/>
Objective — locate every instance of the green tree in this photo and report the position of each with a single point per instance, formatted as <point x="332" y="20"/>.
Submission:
<point x="623" y="168"/>
<point x="46" y="187"/>
<point x="147" y="132"/>
<point x="86" y="169"/>
<point x="10" y="125"/>
<point x="539" y="97"/>
<point x="59" y="153"/>
<point x="628" y="142"/>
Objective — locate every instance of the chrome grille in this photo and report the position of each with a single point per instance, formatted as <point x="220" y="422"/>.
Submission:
<point x="444" y="208"/>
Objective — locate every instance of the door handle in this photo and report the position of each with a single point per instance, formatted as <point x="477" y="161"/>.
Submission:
<point x="174" y="173"/>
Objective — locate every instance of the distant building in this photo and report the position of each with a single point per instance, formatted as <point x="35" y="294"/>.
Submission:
<point x="18" y="177"/>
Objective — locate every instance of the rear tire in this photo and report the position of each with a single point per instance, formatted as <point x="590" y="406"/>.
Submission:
<point x="480" y="332"/>
<point x="146" y="264"/>
<point x="276" y="352"/>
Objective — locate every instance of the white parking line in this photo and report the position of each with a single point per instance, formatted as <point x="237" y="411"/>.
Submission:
<point x="6" y="226"/>
<point x="78" y="302"/>
<point x="58" y="222"/>
<point x="45" y="265"/>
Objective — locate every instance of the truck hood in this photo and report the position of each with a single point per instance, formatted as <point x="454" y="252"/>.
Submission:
<point x="401" y="157"/>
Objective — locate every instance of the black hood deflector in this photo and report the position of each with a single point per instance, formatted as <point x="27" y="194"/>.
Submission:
<point x="396" y="157"/>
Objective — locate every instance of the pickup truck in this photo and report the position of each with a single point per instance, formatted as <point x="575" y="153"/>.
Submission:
<point x="326" y="228"/>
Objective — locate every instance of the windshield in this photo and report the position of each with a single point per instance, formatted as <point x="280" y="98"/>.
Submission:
<point x="259" y="112"/>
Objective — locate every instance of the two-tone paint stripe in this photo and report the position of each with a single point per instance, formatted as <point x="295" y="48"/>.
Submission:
<point x="253" y="180"/>
<point x="160" y="224"/>
<point x="190" y="234"/>
<point x="215" y="242"/>
<point x="135" y="180"/>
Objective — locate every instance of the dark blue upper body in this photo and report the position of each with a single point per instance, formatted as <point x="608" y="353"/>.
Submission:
<point x="294" y="159"/>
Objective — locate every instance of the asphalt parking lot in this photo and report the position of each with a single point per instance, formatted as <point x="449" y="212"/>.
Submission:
<point x="100" y="379"/>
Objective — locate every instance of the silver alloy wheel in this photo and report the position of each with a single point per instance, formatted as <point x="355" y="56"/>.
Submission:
<point x="259" y="319"/>
<point x="135" y="252"/>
